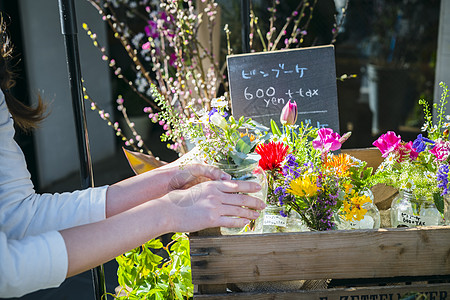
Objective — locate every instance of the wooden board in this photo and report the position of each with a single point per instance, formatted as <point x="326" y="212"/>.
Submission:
<point x="370" y="155"/>
<point x="422" y="251"/>
<point x="431" y="291"/>
<point x="262" y="83"/>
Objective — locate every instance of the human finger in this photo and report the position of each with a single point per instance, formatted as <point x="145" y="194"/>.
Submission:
<point x="244" y="200"/>
<point x="238" y="186"/>
<point x="211" y="172"/>
<point x="193" y="174"/>
<point x="239" y="211"/>
<point x="226" y="221"/>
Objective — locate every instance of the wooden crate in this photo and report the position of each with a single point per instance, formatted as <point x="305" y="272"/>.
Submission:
<point x="359" y="264"/>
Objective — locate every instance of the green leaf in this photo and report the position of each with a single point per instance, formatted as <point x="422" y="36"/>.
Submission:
<point x="439" y="202"/>
<point x="275" y="129"/>
<point x="244" y="145"/>
<point x="235" y="156"/>
<point x="154" y="244"/>
<point x="178" y="292"/>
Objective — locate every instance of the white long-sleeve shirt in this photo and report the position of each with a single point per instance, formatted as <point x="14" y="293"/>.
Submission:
<point x="33" y="254"/>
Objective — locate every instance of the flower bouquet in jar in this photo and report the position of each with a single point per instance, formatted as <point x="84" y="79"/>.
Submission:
<point x="229" y="144"/>
<point x="308" y="177"/>
<point x="418" y="169"/>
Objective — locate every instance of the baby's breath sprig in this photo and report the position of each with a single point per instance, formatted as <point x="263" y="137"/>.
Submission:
<point x="171" y="120"/>
<point x="116" y="70"/>
<point x="137" y="143"/>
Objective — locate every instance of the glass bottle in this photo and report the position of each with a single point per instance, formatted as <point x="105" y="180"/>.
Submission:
<point x="371" y="220"/>
<point x="246" y="172"/>
<point x="410" y="211"/>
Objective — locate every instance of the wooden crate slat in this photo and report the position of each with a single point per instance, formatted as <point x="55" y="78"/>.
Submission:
<point x="431" y="291"/>
<point x="370" y="155"/>
<point x="312" y="255"/>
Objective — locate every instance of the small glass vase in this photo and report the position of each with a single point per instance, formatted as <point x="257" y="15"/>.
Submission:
<point x="371" y="220"/>
<point x="410" y="211"/>
<point x="246" y="172"/>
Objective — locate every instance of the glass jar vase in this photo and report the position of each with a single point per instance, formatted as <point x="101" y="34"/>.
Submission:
<point x="409" y="211"/>
<point x="247" y="172"/>
<point x="371" y="220"/>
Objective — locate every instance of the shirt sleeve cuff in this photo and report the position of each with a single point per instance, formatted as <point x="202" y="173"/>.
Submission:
<point x="33" y="263"/>
<point x="98" y="204"/>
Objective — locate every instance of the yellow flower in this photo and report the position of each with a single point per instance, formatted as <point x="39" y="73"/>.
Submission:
<point x="347" y="187"/>
<point x="352" y="206"/>
<point x="304" y="186"/>
<point x="359" y="214"/>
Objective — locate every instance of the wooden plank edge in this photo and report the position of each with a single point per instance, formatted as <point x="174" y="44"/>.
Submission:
<point x="394" y="292"/>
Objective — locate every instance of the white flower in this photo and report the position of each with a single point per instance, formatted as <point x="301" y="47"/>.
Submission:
<point x="219" y="102"/>
<point x="424" y="127"/>
<point x="218" y="120"/>
<point x="409" y="185"/>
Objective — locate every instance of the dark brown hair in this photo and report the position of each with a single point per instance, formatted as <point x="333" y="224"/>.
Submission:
<point x="24" y="116"/>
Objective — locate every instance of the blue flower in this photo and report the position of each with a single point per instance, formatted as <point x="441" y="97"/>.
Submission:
<point x="420" y="143"/>
<point x="442" y="178"/>
<point x="289" y="168"/>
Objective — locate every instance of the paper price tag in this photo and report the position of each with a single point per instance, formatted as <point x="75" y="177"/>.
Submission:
<point x="411" y="220"/>
<point x="275" y="220"/>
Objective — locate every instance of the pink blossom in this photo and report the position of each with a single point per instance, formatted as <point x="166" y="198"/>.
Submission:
<point x="406" y="152"/>
<point x="289" y="113"/>
<point x="441" y="150"/>
<point x="387" y="143"/>
<point x="327" y="140"/>
<point x="146" y="46"/>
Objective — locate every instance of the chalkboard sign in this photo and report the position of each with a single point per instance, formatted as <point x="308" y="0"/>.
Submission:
<point x="262" y="83"/>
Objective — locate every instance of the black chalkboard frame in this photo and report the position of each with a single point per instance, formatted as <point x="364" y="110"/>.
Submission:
<point x="262" y="83"/>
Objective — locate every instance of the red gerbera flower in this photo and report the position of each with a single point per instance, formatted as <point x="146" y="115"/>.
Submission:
<point x="272" y="155"/>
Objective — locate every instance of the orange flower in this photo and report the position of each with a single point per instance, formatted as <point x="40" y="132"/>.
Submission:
<point x="251" y="136"/>
<point x="340" y="164"/>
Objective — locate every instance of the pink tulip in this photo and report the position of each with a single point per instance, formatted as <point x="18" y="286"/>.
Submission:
<point x="289" y="113"/>
<point x="387" y="143"/>
<point x="327" y="140"/>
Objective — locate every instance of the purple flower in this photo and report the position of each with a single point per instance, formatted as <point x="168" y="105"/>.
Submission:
<point x="280" y="191"/>
<point x="290" y="167"/>
<point x="211" y="112"/>
<point x="152" y="29"/>
<point x="420" y="143"/>
<point x="442" y="179"/>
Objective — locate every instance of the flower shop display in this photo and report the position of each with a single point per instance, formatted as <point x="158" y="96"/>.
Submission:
<point x="177" y="72"/>
<point x="418" y="169"/>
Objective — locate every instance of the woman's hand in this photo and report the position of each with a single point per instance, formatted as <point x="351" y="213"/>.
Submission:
<point x="157" y="183"/>
<point x="213" y="204"/>
<point x="183" y="177"/>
